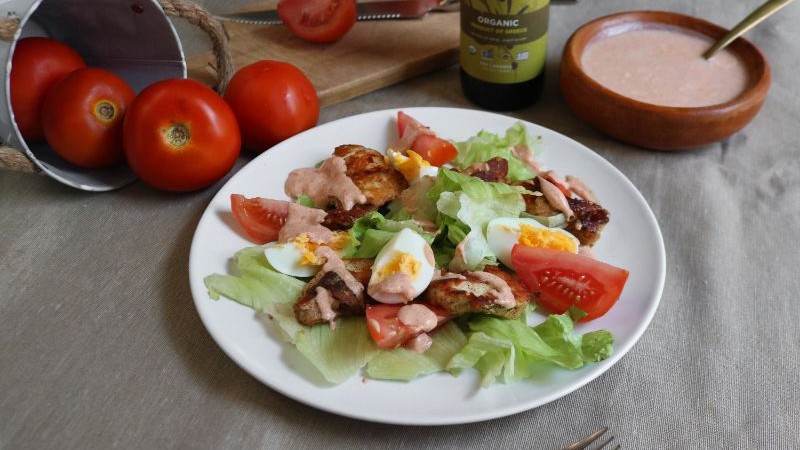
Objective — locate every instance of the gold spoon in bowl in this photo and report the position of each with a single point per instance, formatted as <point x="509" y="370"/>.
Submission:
<point x="756" y="17"/>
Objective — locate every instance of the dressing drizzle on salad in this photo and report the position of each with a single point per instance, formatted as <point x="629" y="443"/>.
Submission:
<point x="409" y="306"/>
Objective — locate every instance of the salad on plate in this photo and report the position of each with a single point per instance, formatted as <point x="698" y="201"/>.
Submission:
<point x="433" y="256"/>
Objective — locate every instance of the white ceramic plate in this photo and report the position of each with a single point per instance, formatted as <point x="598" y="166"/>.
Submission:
<point x="631" y="240"/>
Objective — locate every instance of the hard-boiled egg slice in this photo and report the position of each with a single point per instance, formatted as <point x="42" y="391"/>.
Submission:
<point x="297" y="257"/>
<point x="403" y="268"/>
<point x="504" y="232"/>
<point x="411" y="165"/>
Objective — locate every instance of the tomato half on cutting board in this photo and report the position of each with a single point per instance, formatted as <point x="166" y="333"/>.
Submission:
<point x="564" y="280"/>
<point x="318" y="21"/>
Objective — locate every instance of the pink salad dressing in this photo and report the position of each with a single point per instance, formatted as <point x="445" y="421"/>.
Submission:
<point x="300" y="220"/>
<point x="664" y="66"/>
<point x="333" y="263"/>
<point x="321" y="184"/>
<point x="503" y="295"/>
<point x="417" y="318"/>
<point x="396" y="288"/>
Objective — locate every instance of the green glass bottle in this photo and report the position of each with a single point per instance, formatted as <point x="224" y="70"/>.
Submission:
<point x="503" y="51"/>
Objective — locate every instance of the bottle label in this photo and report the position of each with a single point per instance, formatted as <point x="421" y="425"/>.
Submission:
<point x="503" y="41"/>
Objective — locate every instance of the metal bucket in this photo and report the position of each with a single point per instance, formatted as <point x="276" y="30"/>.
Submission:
<point x="132" y="38"/>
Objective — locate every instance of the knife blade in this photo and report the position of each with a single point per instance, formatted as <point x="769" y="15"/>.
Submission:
<point x="378" y="10"/>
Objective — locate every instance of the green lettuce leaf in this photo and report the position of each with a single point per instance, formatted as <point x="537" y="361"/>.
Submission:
<point x="257" y="284"/>
<point x="339" y="353"/>
<point x="485" y="146"/>
<point x="475" y="213"/>
<point x="413" y="202"/>
<point x="510" y="350"/>
<point x="371" y="232"/>
<point x="402" y="364"/>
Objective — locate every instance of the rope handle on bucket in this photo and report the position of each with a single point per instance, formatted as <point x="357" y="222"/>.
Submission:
<point x="14" y="159"/>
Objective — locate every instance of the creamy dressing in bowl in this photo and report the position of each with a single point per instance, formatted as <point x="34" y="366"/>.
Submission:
<point x="664" y="66"/>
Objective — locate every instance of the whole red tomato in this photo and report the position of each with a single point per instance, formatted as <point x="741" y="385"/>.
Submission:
<point x="36" y="65"/>
<point x="82" y="117"/>
<point x="272" y="100"/>
<point x="179" y="135"/>
<point x="318" y="21"/>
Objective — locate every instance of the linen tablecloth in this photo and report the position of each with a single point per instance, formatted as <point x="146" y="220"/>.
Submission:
<point x="101" y="346"/>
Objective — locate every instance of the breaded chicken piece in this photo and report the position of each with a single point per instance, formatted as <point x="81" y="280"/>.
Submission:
<point x="378" y="181"/>
<point x="345" y="302"/>
<point x="472" y="295"/>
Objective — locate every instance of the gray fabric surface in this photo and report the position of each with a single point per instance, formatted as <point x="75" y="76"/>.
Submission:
<point x="101" y="347"/>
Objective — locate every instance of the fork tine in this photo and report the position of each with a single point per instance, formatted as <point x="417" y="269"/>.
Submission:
<point x="606" y="442"/>
<point x="583" y="443"/>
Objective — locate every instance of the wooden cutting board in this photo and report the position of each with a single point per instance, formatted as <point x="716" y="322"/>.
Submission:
<point x="373" y="54"/>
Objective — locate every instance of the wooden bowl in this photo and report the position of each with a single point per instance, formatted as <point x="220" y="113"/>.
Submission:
<point x="654" y="126"/>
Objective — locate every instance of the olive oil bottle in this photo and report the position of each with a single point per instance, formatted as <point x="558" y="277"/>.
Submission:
<point x="503" y="51"/>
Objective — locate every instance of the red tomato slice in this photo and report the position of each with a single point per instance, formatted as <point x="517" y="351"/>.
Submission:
<point x="564" y="279"/>
<point x="318" y="21"/>
<point x="386" y="329"/>
<point x="406" y="122"/>
<point x="432" y="148"/>
<point x="260" y="218"/>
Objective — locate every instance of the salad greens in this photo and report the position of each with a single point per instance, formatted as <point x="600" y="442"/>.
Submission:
<point x="485" y="146"/>
<point x="505" y="350"/>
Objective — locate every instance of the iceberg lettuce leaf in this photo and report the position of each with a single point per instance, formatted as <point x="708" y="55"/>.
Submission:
<point x="404" y="365"/>
<point x="257" y="284"/>
<point x="337" y="353"/>
<point x="511" y="350"/>
<point x="485" y="146"/>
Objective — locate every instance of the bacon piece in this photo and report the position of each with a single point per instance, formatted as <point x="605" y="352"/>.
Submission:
<point x="493" y="170"/>
<point x="590" y="218"/>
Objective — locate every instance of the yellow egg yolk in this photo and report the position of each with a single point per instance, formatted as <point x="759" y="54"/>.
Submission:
<point x="307" y="250"/>
<point x="340" y="240"/>
<point x="409" y="165"/>
<point x="400" y="262"/>
<point x="543" y="238"/>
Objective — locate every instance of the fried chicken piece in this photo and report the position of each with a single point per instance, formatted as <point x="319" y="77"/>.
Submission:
<point x="345" y="301"/>
<point x="378" y="181"/>
<point x="472" y="295"/>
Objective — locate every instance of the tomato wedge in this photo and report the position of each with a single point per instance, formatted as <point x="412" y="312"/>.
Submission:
<point x="388" y="331"/>
<point x="260" y="218"/>
<point x="564" y="279"/>
<point x="318" y="21"/>
<point x="432" y="148"/>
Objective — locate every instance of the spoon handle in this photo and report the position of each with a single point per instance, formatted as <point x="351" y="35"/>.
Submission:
<point x="763" y="11"/>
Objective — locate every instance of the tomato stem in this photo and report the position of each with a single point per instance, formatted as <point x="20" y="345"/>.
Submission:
<point x="105" y="111"/>
<point x="178" y="135"/>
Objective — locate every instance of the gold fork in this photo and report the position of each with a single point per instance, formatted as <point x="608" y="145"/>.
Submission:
<point x="588" y="440"/>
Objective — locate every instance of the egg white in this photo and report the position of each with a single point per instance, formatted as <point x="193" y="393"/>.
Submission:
<point x="287" y="258"/>
<point x="411" y="243"/>
<point x="504" y="232"/>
